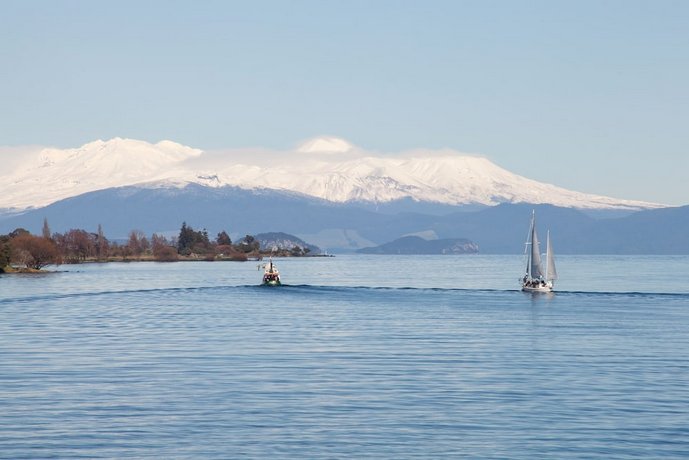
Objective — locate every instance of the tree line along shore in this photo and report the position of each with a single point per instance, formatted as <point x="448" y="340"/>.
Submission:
<point x="21" y="251"/>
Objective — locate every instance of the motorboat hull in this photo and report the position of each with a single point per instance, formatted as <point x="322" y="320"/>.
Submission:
<point x="271" y="276"/>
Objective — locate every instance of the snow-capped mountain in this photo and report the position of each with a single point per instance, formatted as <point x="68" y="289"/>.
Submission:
<point x="329" y="168"/>
<point x="52" y="174"/>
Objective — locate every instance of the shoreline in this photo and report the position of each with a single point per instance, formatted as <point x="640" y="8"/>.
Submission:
<point x="11" y="270"/>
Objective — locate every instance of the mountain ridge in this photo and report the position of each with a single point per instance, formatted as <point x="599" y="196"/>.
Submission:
<point x="337" y="227"/>
<point x="327" y="168"/>
<point x="416" y="245"/>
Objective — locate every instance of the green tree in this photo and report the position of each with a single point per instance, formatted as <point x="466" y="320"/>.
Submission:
<point x="223" y="239"/>
<point x="249" y="244"/>
<point x="19" y="231"/>
<point x="102" y="244"/>
<point x="185" y="240"/>
<point x="191" y="241"/>
<point x="46" y="229"/>
<point x="5" y="251"/>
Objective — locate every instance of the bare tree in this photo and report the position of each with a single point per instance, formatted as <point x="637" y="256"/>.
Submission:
<point x="138" y="243"/>
<point x="35" y="251"/>
<point x="163" y="250"/>
<point x="76" y="245"/>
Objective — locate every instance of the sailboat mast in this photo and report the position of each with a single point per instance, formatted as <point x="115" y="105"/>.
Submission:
<point x="529" y="241"/>
<point x="547" y="255"/>
<point x="530" y="234"/>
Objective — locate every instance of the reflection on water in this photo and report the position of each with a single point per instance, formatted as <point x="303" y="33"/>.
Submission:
<point x="197" y="361"/>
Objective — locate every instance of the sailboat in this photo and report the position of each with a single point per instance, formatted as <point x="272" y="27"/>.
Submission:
<point x="536" y="279"/>
<point x="271" y="275"/>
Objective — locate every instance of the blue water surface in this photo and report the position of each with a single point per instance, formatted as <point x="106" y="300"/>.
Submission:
<point x="356" y="357"/>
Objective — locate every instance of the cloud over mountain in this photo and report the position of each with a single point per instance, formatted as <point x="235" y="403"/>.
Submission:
<point x="326" y="167"/>
<point x="325" y="144"/>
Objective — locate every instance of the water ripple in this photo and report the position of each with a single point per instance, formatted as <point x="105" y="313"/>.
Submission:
<point x="160" y="366"/>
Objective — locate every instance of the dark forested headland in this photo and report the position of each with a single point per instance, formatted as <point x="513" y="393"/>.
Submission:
<point x="22" y="251"/>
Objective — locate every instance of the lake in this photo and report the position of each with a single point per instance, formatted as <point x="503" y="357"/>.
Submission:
<point x="356" y="357"/>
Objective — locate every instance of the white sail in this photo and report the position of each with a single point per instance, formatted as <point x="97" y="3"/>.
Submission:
<point x="550" y="260"/>
<point x="536" y="279"/>
<point x="533" y="260"/>
<point x="536" y="270"/>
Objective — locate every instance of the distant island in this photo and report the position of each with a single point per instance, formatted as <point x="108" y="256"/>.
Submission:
<point x="417" y="245"/>
<point x="279" y="241"/>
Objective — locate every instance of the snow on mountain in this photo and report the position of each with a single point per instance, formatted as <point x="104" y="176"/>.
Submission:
<point x="432" y="176"/>
<point x="52" y="174"/>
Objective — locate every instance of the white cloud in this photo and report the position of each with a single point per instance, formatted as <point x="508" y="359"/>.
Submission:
<point x="13" y="157"/>
<point x="325" y="145"/>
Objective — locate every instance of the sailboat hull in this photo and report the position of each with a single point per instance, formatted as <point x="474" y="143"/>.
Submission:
<point x="545" y="288"/>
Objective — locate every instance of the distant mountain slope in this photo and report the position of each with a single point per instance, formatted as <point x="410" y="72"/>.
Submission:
<point x="503" y="229"/>
<point x="235" y="210"/>
<point x="326" y="168"/>
<point x="417" y="245"/>
<point x="498" y="229"/>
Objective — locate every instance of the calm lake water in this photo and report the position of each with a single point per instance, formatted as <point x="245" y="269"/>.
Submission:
<point x="357" y="357"/>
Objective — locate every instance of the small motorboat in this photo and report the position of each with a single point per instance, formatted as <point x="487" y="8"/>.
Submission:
<point x="271" y="275"/>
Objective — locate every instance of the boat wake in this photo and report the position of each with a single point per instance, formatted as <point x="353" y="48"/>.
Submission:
<point x="326" y="290"/>
<point x="75" y="295"/>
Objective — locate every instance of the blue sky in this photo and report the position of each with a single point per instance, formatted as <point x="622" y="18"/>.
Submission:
<point x="588" y="95"/>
